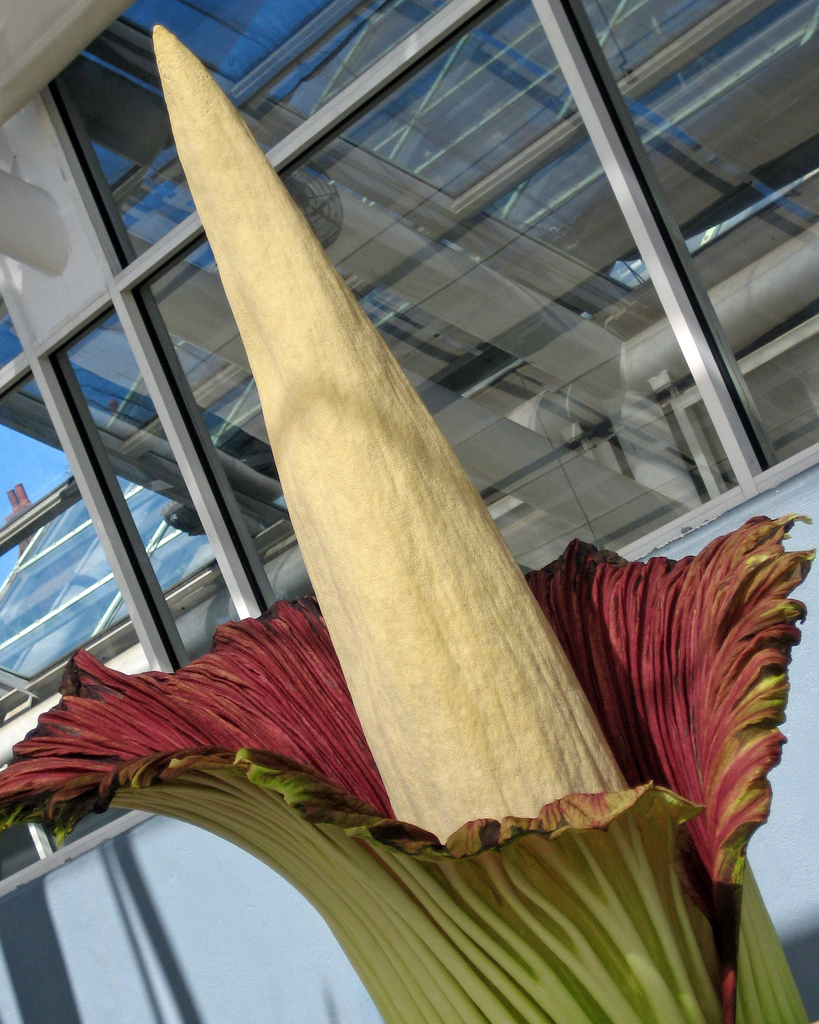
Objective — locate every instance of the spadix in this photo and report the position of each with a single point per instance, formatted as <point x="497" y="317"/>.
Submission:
<point x="467" y="701"/>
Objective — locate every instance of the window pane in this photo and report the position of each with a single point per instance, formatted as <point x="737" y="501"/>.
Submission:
<point x="9" y="342"/>
<point x="730" y="116"/>
<point x="634" y="36"/>
<point x="473" y="222"/>
<point x="466" y="114"/>
<point x="278" y="60"/>
<point x="147" y="471"/>
<point x="57" y="589"/>
<point x="195" y="310"/>
<point x="157" y="496"/>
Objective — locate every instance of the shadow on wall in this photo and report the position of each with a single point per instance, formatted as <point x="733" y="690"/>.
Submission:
<point x="34" y="962"/>
<point x="38" y="975"/>
<point x="122" y="868"/>
<point x="167" y="924"/>
<point x="802" y="952"/>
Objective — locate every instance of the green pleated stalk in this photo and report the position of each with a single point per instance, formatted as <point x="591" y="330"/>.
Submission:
<point x="766" y="991"/>
<point x="578" y="927"/>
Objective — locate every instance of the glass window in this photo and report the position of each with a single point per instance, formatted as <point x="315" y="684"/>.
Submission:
<point x="278" y="60"/>
<point x="634" y="36"/>
<point x="157" y="496"/>
<point x="467" y="113"/>
<point x="729" y="113"/>
<point x="196" y="313"/>
<point x="9" y="342"/>
<point x="472" y="220"/>
<point x="147" y="471"/>
<point x="57" y="589"/>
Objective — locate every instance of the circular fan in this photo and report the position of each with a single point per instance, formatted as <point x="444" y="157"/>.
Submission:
<point x="319" y="201"/>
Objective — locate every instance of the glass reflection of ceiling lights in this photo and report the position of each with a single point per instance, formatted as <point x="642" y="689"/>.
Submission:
<point x="729" y="111"/>
<point x="473" y="223"/>
<point x="278" y="60"/>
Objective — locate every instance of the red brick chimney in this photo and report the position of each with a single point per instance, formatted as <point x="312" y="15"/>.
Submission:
<point x="19" y="500"/>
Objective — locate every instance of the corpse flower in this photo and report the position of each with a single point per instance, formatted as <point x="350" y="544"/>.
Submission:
<point x="513" y="800"/>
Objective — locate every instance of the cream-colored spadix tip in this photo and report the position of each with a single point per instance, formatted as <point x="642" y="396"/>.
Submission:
<point x="165" y="41"/>
<point x="174" y="59"/>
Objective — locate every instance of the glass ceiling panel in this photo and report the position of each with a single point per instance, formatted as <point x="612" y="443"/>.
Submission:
<point x="474" y="107"/>
<point x="278" y="60"/>
<point x="732" y="127"/>
<point x="498" y="276"/>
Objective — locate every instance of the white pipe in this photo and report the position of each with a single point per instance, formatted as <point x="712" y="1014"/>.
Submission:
<point x="749" y="303"/>
<point x="32" y="229"/>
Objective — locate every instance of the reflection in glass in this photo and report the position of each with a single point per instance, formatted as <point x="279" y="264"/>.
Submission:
<point x="279" y="60"/>
<point x="730" y="115"/>
<point x="196" y="313"/>
<point x="632" y="36"/>
<point x="493" y="260"/>
<point x="148" y="473"/>
<point x="155" y="491"/>
<point x="57" y="588"/>
<point x="127" y="421"/>
<point x="496" y="91"/>
<point x="9" y="342"/>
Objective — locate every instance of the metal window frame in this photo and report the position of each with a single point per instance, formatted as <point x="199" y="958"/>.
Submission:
<point x="195" y="454"/>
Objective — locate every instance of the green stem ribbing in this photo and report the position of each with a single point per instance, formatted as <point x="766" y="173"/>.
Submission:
<point x="590" y="927"/>
<point x="766" y="991"/>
